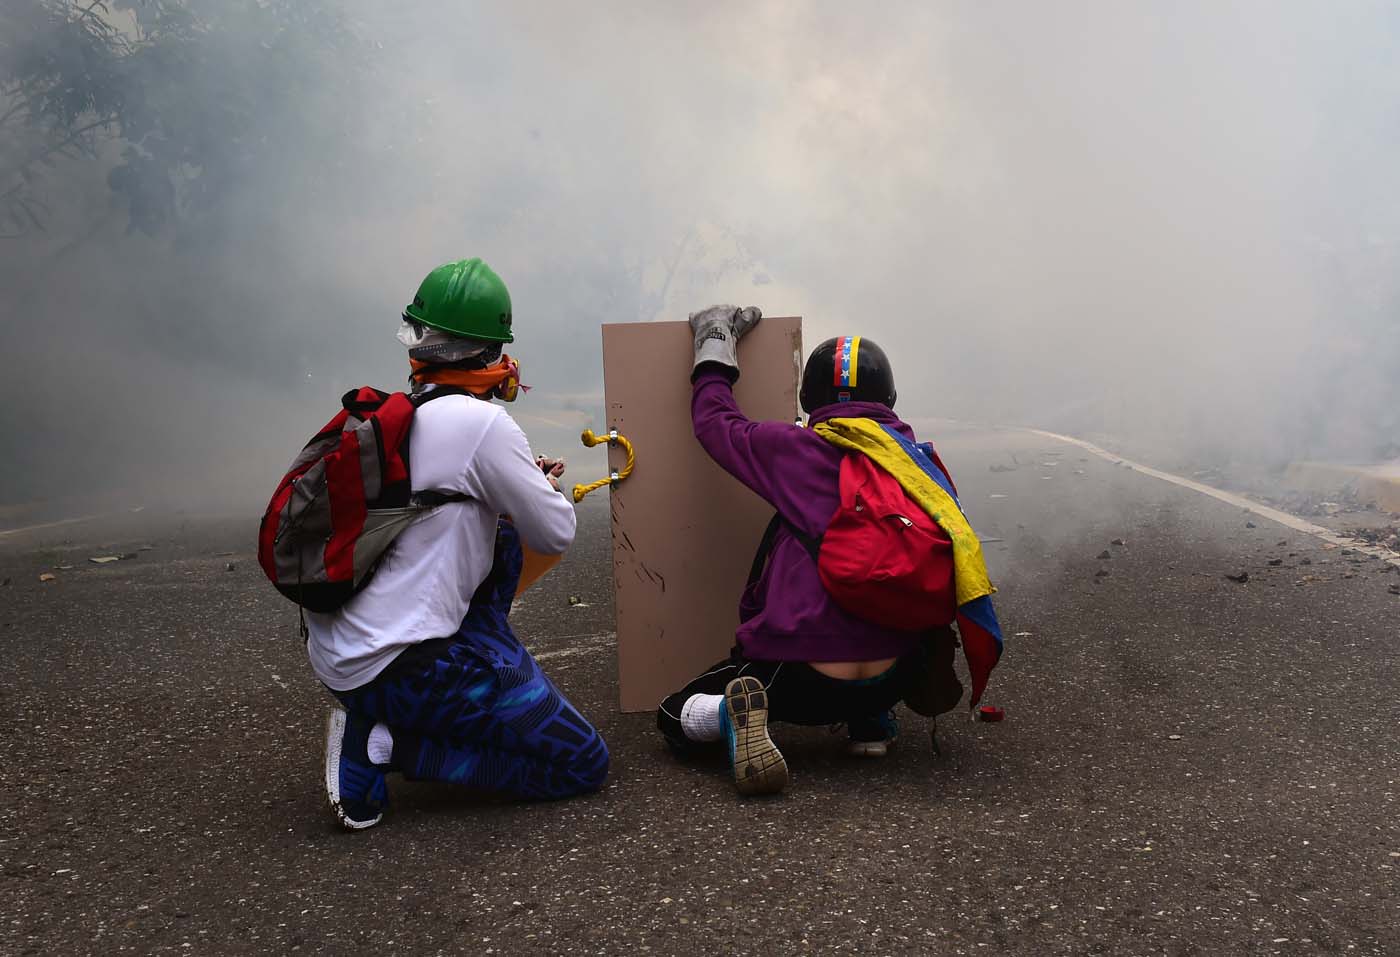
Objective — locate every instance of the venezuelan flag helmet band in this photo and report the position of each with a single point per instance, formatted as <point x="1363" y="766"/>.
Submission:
<point x="847" y="369"/>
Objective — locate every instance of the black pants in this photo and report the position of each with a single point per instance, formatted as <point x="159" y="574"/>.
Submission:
<point x="797" y="693"/>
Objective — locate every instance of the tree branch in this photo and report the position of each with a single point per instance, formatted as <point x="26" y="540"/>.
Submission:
<point x="48" y="150"/>
<point x="675" y="264"/>
<point x="5" y="117"/>
<point x="93" y="6"/>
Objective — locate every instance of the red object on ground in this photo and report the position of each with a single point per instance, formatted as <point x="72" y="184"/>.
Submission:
<point x="989" y="712"/>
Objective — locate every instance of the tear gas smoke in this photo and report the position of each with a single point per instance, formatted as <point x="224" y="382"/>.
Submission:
<point x="1172" y="224"/>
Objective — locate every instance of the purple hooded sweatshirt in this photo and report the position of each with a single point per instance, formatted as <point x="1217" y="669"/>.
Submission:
<point x="787" y="614"/>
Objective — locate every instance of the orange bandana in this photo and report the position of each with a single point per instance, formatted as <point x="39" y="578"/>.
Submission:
<point x="501" y="380"/>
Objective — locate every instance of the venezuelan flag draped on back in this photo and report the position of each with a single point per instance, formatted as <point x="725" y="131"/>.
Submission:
<point x="923" y="478"/>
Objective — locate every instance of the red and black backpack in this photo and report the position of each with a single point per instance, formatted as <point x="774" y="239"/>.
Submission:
<point x="344" y="500"/>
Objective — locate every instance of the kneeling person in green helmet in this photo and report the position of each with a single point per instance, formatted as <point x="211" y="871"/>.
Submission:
<point x="432" y="680"/>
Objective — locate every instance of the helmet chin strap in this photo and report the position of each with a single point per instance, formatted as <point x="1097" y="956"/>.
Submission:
<point x="433" y="346"/>
<point x="453" y="354"/>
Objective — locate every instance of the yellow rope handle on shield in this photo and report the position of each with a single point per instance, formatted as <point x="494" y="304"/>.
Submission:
<point x="612" y="438"/>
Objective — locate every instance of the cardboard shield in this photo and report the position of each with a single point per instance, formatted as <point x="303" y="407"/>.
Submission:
<point x="683" y="531"/>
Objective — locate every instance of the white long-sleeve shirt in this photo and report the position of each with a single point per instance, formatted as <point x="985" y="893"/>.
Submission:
<point x="424" y="584"/>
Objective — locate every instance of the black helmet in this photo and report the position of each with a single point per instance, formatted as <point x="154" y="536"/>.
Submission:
<point x="848" y="369"/>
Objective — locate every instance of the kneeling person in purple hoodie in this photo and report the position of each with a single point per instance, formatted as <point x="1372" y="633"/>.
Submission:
<point x="798" y="656"/>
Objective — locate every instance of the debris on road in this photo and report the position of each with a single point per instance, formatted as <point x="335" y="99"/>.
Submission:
<point x="1242" y="577"/>
<point x="5" y="583"/>
<point x="1395" y="589"/>
<point x="1118" y="541"/>
<point x="48" y="577"/>
<point x="996" y="495"/>
<point x="1310" y="504"/>
<point x="1250" y="525"/>
<point x="1101" y="573"/>
<point x="104" y="559"/>
<point x="1133" y="673"/>
<point x="1386" y="536"/>
<point x="1276" y="561"/>
<point x="1104" y="555"/>
<point x="229" y="566"/>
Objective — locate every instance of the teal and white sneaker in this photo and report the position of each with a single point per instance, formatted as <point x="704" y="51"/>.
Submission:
<point x="355" y="787"/>
<point x="872" y="736"/>
<point x="759" y="767"/>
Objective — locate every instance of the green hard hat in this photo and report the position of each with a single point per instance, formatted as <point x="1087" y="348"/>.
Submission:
<point x="465" y="299"/>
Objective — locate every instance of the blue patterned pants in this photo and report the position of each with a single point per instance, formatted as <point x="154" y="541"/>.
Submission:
<point x="476" y="709"/>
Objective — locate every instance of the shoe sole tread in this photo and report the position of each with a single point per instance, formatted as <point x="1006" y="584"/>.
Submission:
<point x="759" y="767"/>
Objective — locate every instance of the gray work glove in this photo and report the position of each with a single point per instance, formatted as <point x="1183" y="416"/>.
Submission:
<point x="717" y="331"/>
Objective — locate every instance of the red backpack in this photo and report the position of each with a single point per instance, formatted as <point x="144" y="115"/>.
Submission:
<point x="344" y="500"/>
<point x="882" y="558"/>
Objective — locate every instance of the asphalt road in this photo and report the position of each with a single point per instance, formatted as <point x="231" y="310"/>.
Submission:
<point x="1189" y="765"/>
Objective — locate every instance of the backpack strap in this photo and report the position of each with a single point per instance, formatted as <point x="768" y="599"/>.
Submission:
<point x="765" y="546"/>
<point x="432" y="498"/>
<point x="420" y="398"/>
<point x="770" y="536"/>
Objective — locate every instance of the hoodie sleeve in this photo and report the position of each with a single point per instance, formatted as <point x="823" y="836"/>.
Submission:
<point x="772" y="458"/>
<point x="504" y="475"/>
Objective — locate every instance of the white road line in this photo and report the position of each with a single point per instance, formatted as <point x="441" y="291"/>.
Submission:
<point x="1273" y="514"/>
<point x="35" y="528"/>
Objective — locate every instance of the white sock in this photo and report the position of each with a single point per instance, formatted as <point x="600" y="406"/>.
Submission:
<point x="381" y="744"/>
<point x="700" y="717"/>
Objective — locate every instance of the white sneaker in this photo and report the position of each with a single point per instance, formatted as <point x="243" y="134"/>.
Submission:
<point x="868" y="749"/>
<point x="871" y="737"/>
